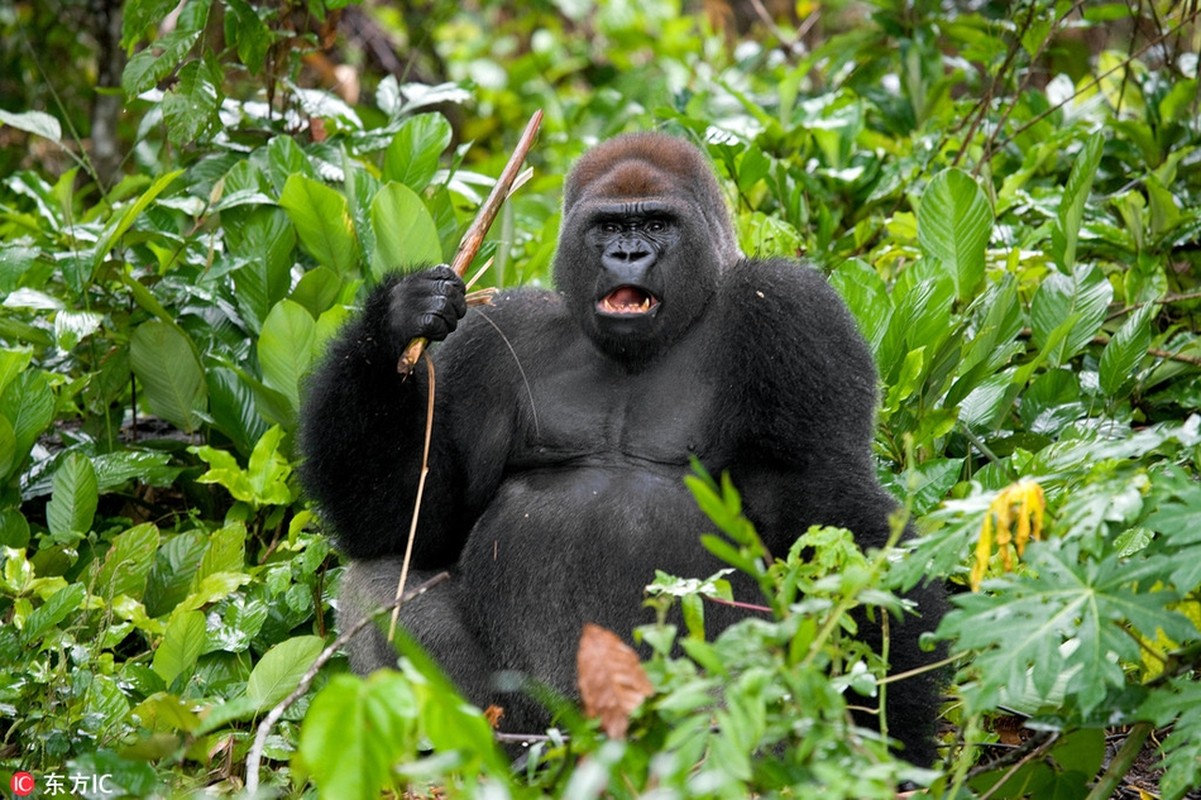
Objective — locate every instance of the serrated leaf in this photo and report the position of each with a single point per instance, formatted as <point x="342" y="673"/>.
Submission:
<point x="286" y="349"/>
<point x="322" y="219"/>
<point x="954" y="221"/>
<point x="280" y="669"/>
<point x="412" y="156"/>
<point x="165" y="362"/>
<point x="74" y="499"/>
<point x="182" y="644"/>
<point x="190" y="107"/>
<point x="405" y="233"/>
<point x="1092" y="605"/>
<point x="1126" y="349"/>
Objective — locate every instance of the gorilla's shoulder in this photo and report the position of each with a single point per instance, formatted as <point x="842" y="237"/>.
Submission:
<point x="778" y="286"/>
<point x="516" y="318"/>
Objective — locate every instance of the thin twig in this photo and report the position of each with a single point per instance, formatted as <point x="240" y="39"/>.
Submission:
<point x="474" y="237"/>
<point x="1037" y="752"/>
<point x="425" y="471"/>
<point x="255" y="757"/>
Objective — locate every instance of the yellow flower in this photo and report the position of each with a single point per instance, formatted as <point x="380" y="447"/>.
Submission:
<point x="1027" y="496"/>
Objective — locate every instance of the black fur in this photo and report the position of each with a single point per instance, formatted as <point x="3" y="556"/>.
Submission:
<point x="562" y="434"/>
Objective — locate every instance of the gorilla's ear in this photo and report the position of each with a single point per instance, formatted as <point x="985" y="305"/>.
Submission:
<point x="648" y="165"/>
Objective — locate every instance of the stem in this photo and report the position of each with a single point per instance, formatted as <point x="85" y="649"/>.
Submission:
<point x="1122" y="762"/>
<point x="474" y="237"/>
<point x="425" y="471"/>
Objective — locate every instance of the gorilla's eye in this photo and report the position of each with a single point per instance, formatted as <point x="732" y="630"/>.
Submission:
<point x="656" y="226"/>
<point x="610" y="227"/>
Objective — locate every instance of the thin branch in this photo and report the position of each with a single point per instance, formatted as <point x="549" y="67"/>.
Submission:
<point x="255" y="757"/>
<point x="474" y="237"/>
<point x="425" y="471"/>
<point x="1034" y="753"/>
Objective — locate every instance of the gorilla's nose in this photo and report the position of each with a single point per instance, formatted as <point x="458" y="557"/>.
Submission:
<point x="629" y="263"/>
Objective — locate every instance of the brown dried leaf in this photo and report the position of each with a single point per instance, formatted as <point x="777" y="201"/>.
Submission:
<point x="612" y="681"/>
<point x="494" y="714"/>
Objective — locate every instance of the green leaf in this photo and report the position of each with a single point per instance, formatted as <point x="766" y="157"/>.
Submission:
<point x="36" y="122"/>
<point x="322" y="218"/>
<point x="225" y="554"/>
<point x="139" y="15"/>
<point x="190" y="108"/>
<point x="954" y="221"/>
<point x="280" y="669"/>
<point x="149" y="66"/>
<point x="1126" y="349"/>
<point x="117" y="228"/>
<point x="354" y="732"/>
<point x="73" y="503"/>
<point x="405" y="233"/>
<point x="127" y="563"/>
<point x="269" y="469"/>
<point x="182" y="644"/>
<point x="1066" y="230"/>
<point x="52" y="612"/>
<point x="250" y="34"/>
<point x="28" y="405"/>
<point x="8" y="448"/>
<point x="412" y="157"/>
<point x="1068" y="311"/>
<point x="286" y="349"/>
<point x="165" y="363"/>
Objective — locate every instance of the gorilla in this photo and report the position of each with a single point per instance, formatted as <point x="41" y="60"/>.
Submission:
<point x="565" y="422"/>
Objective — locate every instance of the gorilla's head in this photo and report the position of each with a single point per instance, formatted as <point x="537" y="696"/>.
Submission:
<point x="645" y="235"/>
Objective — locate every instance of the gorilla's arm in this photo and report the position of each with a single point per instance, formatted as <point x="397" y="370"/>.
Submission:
<point x="362" y="427"/>
<point x="807" y="422"/>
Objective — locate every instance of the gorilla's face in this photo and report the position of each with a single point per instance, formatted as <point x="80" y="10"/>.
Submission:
<point x="643" y="241"/>
<point x="630" y="240"/>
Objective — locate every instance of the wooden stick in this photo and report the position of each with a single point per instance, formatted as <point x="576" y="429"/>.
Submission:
<point x="474" y="237"/>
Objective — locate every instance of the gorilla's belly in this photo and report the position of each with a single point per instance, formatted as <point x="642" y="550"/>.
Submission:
<point x="561" y="547"/>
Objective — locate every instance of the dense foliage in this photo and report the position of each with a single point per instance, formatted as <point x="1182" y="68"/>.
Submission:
<point x="1007" y="195"/>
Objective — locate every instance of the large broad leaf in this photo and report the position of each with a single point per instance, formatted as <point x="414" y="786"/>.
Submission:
<point x="182" y="644"/>
<point x="322" y="218"/>
<point x="285" y="349"/>
<point x="1093" y="605"/>
<point x="74" y="499"/>
<point x="127" y="563"/>
<point x="1071" y="208"/>
<point x="405" y="233"/>
<point x="1126" y="349"/>
<point x="412" y="157"/>
<point x="1067" y="312"/>
<point x="953" y="225"/>
<point x="172" y="379"/>
<point x="37" y="122"/>
<point x="53" y="611"/>
<point x="355" y="730"/>
<point x="280" y="669"/>
<point x="27" y="403"/>
<point x="190" y="108"/>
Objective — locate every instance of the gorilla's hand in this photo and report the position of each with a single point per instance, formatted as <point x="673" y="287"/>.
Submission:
<point x="426" y="304"/>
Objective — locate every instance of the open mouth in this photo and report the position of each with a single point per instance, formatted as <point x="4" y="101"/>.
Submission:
<point x="627" y="301"/>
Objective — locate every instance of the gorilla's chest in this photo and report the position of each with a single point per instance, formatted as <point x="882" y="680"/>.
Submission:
<point x="588" y="410"/>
